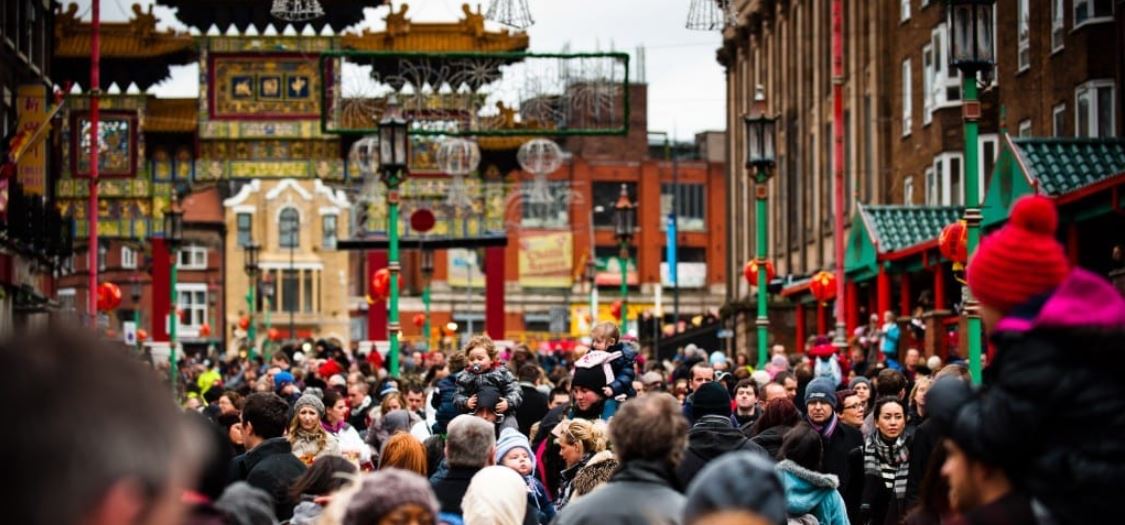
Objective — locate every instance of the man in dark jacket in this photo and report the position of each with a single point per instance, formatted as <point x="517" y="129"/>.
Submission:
<point x="648" y="435"/>
<point x="534" y="405"/>
<point x="469" y="447"/>
<point x="838" y="439"/>
<point x="747" y="410"/>
<point x="712" y="435"/>
<point x="269" y="463"/>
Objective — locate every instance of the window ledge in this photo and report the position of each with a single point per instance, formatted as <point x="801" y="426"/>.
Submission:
<point x="1023" y="70"/>
<point x="1091" y="21"/>
<point x="1058" y="50"/>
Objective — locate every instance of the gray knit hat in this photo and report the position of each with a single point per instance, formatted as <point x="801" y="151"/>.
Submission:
<point x="383" y="491"/>
<point x="857" y="380"/>
<point x="309" y="400"/>
<point x="739" y="480"/>
<point x="247" y="505"/>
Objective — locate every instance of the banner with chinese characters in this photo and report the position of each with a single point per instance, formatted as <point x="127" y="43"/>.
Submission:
<point x="264" y="87"/>
<point x="32" y="108"/>
<point x="545" y="260"/>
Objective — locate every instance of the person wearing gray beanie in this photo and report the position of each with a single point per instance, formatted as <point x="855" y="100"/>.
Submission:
<point x="307" y="437"/>
<point x="387" y="491"/>
<point x="246" y="505"/>
<point x="739" y="482"/>
<point x="309" y="400"/>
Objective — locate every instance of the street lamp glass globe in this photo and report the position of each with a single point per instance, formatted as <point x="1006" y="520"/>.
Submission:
<point x="970" y="34"/>
<point x="364" y="156"/>
<point x="457" y="156"/>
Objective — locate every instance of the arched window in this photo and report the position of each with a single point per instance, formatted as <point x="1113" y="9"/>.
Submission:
<point x="289" y="225"/>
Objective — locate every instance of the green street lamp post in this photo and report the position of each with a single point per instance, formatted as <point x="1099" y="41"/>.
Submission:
<point x="971" y="51"/>
<point x="760" y="129"/>
<point x="174" y="236"/>
<point x="624" y="223"/>
<point x="394" y="155"/>
<point x="267" y="297"/>
<point x="250" y="265"/>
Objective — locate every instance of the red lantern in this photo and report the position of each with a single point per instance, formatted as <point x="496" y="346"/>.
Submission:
<point x="380" y="287"/>
<point x="615" y="310"/>
<point x="954" y="243"/>
<point x="142" y="335"/>
<point x="244" y="322"/>
<point x="109" y="296"/>
<point x="274" y="334"/>
<point x="204" y="330"/>
<point x="750" y="272"/>
<point x="419" y="320"/>
<point x="823" y="286"/>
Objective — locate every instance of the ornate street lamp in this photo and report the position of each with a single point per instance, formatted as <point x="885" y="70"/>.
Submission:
<point x="250" y="266"/>
<point x="394" y="157"/>
<point x="624" y="223"/>
<point x="971" y="50"/>
<point x="174" y="236"/>
<point x="760" y="158"/>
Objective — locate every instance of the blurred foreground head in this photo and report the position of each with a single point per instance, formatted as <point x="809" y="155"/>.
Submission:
<point x="105" y="442"/>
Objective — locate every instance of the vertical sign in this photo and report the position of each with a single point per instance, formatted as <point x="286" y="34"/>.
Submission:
<point x="670" y="246"/>
<point x="31" y="104"/>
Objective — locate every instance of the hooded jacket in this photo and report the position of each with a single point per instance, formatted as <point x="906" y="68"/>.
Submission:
<point x="1051" y="412"/>
<point x="809" y="492"/>
<point x="641" y="493"/>
<point x="272" y="467"/>
<point x="711" y="437"/>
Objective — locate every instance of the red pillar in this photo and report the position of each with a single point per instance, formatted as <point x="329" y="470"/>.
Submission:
<point x="161" y="292"/>
<point x="1072" y="243"/>
<point x="883" y="283"/>
<point x="821" y="319"/>
<point x="376" y="313"/>
<point x="852" y="305"/>
<point x="800" y="343"/>
<point x="494" y="291"/>
<point x="939" y="287"/>
<point x="904" y="295"/>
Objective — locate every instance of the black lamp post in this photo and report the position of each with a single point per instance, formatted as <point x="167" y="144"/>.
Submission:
<point x="174" y="236"/>
<point x="394" y="157"/>
<point x="624" y="223"/>
<point x="250" y="266"/>
<point x="760" y="158"/>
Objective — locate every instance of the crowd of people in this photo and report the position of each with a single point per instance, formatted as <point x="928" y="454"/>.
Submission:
<point x="488" y="435"/>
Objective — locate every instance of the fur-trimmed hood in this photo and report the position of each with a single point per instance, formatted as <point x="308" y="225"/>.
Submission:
<point x="805" y="489"/>
<point x="595" y="473"/>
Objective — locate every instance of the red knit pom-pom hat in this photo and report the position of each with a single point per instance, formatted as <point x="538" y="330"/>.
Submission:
<point x="1021" y="260"/>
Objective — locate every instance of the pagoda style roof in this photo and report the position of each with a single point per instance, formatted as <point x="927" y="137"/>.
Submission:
<point x="463" y="36"/>
<point x="131" y="51"/>
<point x="242" y="14"/>
<point x="171" y="115"/>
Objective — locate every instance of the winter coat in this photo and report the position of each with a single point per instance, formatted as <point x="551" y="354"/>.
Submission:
<point x="532" y="409"/>
<point x="624" y="369"/>
<point x="836" y="450"/>
<point x="443" y="403"/>
<point x="566" y="481"/>
<point x="770" y="439"/>
<point x="358" y="416"/>
<point x="539" y="500"/>
<point x="350" y="442"/>
<point x="306" y="446"/>
<point x="469" y="383"/>
<point x="1051" y="412"/>
<point x="711" y="437"/>
<point x="596" y="472"/>
<point x="809" y="492"/>
<point x="546" y="450"/>
<point x="746" y="424"/>
<point x="641" y="493"/>
<point x="450" y="487"/>
<point x="272" y="467"/>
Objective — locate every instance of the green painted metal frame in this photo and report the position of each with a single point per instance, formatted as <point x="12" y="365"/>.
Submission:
<point x="622" y="131"/>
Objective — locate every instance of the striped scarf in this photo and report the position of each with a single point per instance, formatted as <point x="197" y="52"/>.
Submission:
<point x="891" y="463"/>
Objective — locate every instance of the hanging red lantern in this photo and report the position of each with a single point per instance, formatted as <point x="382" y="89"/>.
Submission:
<point x="823" y="286"/>
<point x="419" y="320"/>
<point x="380" y="287"/>
<point x="750" y="272"/>
<point x="244" y="322"/>
<point x="954" y="243"/>
<point x="615" y="310"/>
<point x="142" y="335"/>
<point x="204" y="330"/>
<point x="109" y="296"/>
<point x="274" y="334"/>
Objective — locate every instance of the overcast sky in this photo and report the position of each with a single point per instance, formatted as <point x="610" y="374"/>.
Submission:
<point x="686" y="93"/>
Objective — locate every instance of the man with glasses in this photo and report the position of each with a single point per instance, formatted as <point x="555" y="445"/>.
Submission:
<point x="851" y="408"/>
<point x="838" y="440"/>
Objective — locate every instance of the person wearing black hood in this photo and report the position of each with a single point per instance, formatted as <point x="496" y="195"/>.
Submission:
<point x="587" y="402"/>
<point x="712" y="435"/>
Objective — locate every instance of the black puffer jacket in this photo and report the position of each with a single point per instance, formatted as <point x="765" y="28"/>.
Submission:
<point x="711" y="437"/>
<point x="1052" y="409"/>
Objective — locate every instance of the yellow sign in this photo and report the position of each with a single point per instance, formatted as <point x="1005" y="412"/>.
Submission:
<point x="545" y="260"/>
<point x="32" y="108"/>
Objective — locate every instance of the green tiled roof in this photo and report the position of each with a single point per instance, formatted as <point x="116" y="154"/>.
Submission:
<point x="1063" y="165"/>
<point x="898" y="227"/>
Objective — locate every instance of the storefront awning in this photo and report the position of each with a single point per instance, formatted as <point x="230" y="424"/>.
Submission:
<point x="887" y="233"/>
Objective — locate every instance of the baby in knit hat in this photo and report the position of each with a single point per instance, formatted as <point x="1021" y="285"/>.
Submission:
<point x="514" y="451"/>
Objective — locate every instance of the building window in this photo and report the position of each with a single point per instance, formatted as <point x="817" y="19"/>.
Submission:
<point x="307" y="278"/>
<point x="908" y="190"/>
<point x="946" y="80"/>
<point x="555" y="213"/>
<point x="290" y="292"/>
<point x="245" y="237"/>
<point x="1058" y="120"/>
<point x="904" y="13"/>
<point x="328" y="232"/>
<point x="289" y="225"/>
<point x="1024" y="129"/>
<point x="1058" y="25"/>
<point x="103" y="255"/>
<point x="948" y="175"/>
<point x="933" y="189"/>
<point x="67" y="300"/>
<point x="690" y="201"/>
<point x="1023" y="29"/>
<point x="1094" y="109"/>
<point x="989" y="151"/>
<point x="191" y="298"/>
<point x="907" y="109"/>
<point x="605" y="196"/>
<point x="128" y="258"/>
<point x="1092" y="11"/>
<point x="927" y="83"/>
<point x="193" y="258"/>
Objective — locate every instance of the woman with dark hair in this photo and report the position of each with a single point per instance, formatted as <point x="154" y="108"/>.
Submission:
<point x="326" y="475"/>
<point x="335" y="422"/>
<point x="807" y="490"/>
<point x="778" y="418"/>
<point x="886" y="464"/>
